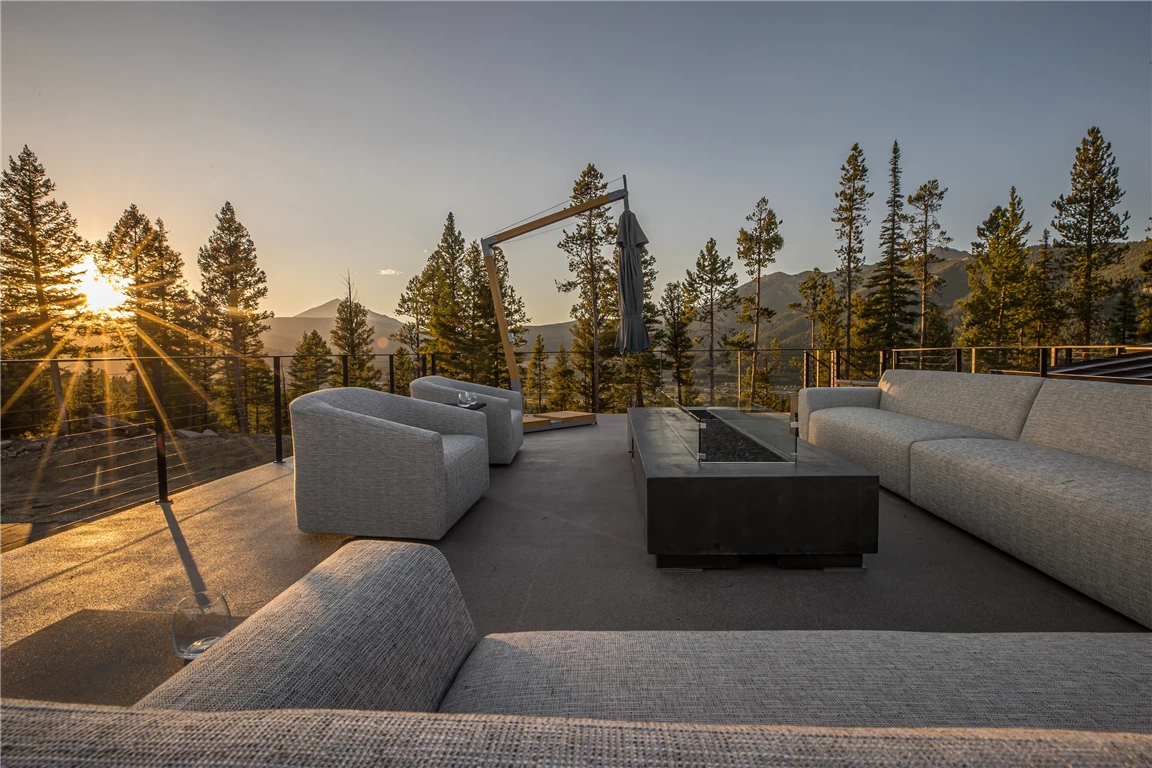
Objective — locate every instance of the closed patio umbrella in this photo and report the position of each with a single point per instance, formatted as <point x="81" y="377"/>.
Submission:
<point x="633" y="336"/>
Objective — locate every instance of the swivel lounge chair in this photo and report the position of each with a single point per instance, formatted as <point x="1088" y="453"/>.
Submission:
<point x="504" y="410"/>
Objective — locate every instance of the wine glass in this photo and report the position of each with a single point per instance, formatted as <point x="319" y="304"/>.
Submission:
<point x="198" y="622"/>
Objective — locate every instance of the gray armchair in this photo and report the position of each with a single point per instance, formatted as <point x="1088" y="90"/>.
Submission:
<point x="504" y="411"/>
<point x="368" y="463"/>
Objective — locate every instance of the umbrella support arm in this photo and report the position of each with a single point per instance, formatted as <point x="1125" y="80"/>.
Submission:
<point x="523" y="229"/>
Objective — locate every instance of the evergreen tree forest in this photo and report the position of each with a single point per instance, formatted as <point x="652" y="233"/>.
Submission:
<point x="1035" y="275"/>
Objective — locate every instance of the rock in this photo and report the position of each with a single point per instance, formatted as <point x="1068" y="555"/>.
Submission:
<point x="119" y="425"/>
<point x="208" y="433"/>
<point x="35" y="445"/>
<point x="4" y="444"/>
<point x="187" y="433"/>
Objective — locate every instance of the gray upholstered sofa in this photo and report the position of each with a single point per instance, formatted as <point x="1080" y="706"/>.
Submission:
<point x="351" y="665"/>
<point x="504" y="410"/>
<point x="1056" y="473"/>
<point x="368" y="463"/>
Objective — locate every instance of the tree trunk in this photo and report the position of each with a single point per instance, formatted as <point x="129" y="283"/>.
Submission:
<point x="711" y="361"/>
<point x="755" y="342"/>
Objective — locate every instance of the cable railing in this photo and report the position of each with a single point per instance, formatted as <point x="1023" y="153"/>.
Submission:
<point x="139" y="429"/>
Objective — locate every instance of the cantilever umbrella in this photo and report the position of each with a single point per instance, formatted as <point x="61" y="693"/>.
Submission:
<point x="633" y="336"/>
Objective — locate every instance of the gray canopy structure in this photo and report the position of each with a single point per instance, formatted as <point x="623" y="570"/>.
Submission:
<point x="629" y="288"/>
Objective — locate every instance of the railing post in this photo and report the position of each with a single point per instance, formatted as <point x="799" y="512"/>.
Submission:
<point x="433" y="363"/>
<point x="883" y="359"/>
<point x="804" y="379"/>
<point x="1043" y="353"/>
<point x="959" y="354"/>
<point x="158" y="425"/>
<point x="973" y="360"/>
<point x="424" y="364"/>
<point x="391" y="373"/>
<point x="344" y="369"/>
<point x="834" y="368"/>
<point x="277" y="410"/>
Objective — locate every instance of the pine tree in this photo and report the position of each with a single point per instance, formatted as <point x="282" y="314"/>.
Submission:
<point x="714" y="285"/>
<point x="1124" y="324"/>
<point x="404" y="370"/>
<point x="1043" y="311"/>
<point x="137" y="255"/>
<point x="564" y="389"/>
<point x="925" y="236"/>
<point x="231" y="288"/>
<point x="1144" y="319"/>
<point x="886" y="316"/>
<point x="594" y="278"/>
<point x="938" y="333"/>
<point x="850" y="218"/>
<point x="813" y="290"/>
<point x="830" y="317"/>
<point x="757" y="248"/>
<point x="40" y="259"/>
<point x="1091" y="232"/>
<point x="354" y="337"/>
<point x="996" y="278"/>
<point x="311" y="366"/>
<point x="536" y="382"/>
<point x="677" y="311"/>
<point x="448" y="333"/>
<point x="416" y="304"/>
<point x="491" y="347"/>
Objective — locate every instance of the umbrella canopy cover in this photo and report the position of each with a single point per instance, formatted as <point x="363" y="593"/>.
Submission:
<point x="633" y="336"/>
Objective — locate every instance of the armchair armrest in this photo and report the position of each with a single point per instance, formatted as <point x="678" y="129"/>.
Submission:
<point x="377" y="626"/>
<point x="814" y="399"/>
<point x="515" y="399"/>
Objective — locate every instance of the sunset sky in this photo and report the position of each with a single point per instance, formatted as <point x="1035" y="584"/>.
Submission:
<point x="344" y="133"/>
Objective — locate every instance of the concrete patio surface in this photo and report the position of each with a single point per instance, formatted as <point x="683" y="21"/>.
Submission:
<point x="556" y="543"/>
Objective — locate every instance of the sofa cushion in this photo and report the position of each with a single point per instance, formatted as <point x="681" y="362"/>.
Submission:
<point x="988" y="402"/>
<point x="879" y="440"/>
<point x="1108" y="421"/>
<point x="1081" y="681"/>
<point x="378" y="625"/>
<point x="1084" y="521"/>
<point x="38" y="734"/>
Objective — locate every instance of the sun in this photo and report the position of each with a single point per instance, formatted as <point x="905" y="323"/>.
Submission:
<point x="101" y="295"/>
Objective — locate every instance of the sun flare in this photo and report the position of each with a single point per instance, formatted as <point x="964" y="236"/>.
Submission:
<point x="101" y="295"/>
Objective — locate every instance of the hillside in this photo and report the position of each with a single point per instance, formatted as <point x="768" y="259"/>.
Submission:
<point x="284" y="332"/>
<point x="777" y="291"/>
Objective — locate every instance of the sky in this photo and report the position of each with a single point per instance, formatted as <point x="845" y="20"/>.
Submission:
<point x="344" y="133"/>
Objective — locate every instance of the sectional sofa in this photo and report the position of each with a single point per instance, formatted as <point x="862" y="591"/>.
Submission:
<point x="372" y="658"/>
<point x="1056" y="473"/>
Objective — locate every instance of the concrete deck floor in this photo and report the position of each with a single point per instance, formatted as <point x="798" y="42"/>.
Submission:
<point x="556" y="543"/>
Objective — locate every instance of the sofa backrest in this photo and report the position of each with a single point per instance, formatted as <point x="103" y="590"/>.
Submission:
<point x="1100" y="419"/>
<point x="41" y="734"/>
<point x="990" y="402"/>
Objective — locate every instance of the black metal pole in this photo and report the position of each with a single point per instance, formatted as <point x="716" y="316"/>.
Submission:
<point x="1043" y="362"/>
<point x="433" y="363"/>
<point x="959" y="359"/>
<point x="277" y="410"/>
<point x="158" y="425"/>
<point x="392" y="374"/>
<point x="344" y="369"/>
<point x="424" y="364"/>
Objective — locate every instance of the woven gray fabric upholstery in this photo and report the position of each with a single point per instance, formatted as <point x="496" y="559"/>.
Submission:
<point x="988" y="402"/>
<point x="1108" y="421"/>
<point x="378" y="625"/>
<point x="1084" y="521"/>
<point x="1096" y="682"/>
<point x="880" y="440"/>
<point x="369" y="463"/>
<point x="814" y="399"/>
<point x="504" y="411"/>
<point x="37" y="734"/>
